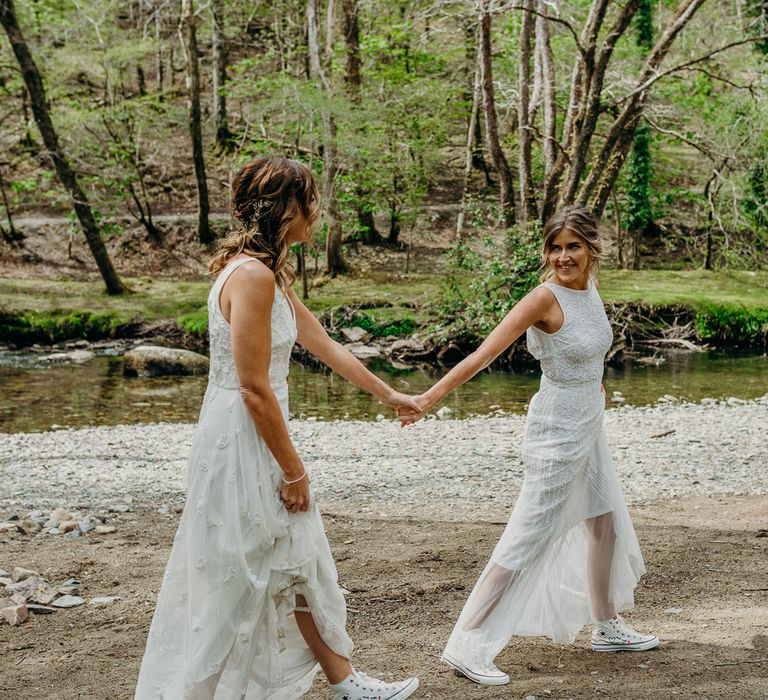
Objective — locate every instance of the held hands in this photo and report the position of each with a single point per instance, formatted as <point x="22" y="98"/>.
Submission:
<point x="295" y="495"/>
<point x="408" y="415"/>
<point x="409" y="409"/>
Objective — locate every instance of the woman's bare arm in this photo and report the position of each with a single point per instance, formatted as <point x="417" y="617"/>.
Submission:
<point x="534" y="307"/>
<point x="248" y="295"/>
<point x="316" y="340"/>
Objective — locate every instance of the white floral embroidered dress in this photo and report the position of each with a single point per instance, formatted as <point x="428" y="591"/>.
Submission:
<point x="224" y="626"/>
<point x="536" y="582"/>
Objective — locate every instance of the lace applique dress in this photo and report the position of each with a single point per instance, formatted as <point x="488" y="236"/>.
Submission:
<point x="537" y="581"/>
<point x="224" y="627"/>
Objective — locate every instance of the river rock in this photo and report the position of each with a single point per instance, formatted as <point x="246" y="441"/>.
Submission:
<point x="59" y="515"/>
<point x="67" y="526"/>
<point x="68" y="601"/>
<point x="15" y="615"/>
<point x="88" y="524"/>
<point x="363" y="352"/>
<point x="43" y="594"/>
<point x="153" y="361"/>
<point x="6" y="602"/>
<point x="70" y="587"/>
<point x="105" y="529"/>
<point x="103" y="600"/>
<point x="29" y="527"/>
<point x="40" y="609"/>
<point x="355" y="334"/>
<point x="21" y="574"/>
<point x="8" y="526"/>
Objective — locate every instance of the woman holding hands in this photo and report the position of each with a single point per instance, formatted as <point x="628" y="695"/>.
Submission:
<point x="569" y="554"/>
<point x="250" y="603"/>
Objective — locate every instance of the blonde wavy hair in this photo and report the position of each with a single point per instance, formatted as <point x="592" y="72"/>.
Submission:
<point x="267" y="196"/>
<point x="578" y="220"/>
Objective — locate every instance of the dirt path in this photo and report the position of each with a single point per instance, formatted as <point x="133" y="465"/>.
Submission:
<point x="408" y="580"/>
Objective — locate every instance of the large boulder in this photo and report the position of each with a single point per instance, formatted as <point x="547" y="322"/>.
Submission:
<point x="153" y="361"/>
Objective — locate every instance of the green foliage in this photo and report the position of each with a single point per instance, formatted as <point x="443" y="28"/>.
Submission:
<point x="733" y="325"/>
<point x="397" y="327"/>
<point x="643" y="22"/>
<point x="481" y="287"/>
<point x="195" y="323"/>
<point x="756" y="201"/>
<point x="757" y="22"/>
<point x="56" y="325"/>
<point x="639" y="211"/>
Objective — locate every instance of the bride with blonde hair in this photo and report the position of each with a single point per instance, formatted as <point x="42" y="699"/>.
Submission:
<point x="569" y="554"/>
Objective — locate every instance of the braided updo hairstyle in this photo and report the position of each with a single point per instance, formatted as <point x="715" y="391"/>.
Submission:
<point x="267" y="195"/>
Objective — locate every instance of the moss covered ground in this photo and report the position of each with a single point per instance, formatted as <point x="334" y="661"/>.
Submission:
<point x="54" y="310"/>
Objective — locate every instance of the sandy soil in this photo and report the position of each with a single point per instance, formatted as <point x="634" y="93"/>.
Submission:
<point x="408" y="580"/>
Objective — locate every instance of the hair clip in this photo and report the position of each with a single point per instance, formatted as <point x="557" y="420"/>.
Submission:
<point x="259" y="208"/>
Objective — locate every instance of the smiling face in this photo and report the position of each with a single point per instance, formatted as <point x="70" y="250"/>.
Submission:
<point x="569" y="260"/>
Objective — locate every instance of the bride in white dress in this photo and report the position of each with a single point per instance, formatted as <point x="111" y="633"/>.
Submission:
<point x="250" y="603"/>
<point x="569" y="554"/>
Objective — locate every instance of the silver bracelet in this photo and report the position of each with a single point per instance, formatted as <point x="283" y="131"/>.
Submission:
<point x="295" y="481"/>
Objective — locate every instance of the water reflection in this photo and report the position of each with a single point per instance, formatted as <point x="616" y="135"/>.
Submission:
<point x="96" y="393"/>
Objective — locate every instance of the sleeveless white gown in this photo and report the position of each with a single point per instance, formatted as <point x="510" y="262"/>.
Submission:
<point x="224" y="628"/>
<point x="536" y="582"/>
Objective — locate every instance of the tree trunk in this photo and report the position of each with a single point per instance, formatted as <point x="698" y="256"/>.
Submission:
<point x="468" y="161"/>
<point x="352" y="76"/>
<point x="12" y="235"/>
<point x="544" y="46"/>
<point x="527" y="201"/>
<point x="353" y="79"/>
<point x="606" y="164"/>
<point x="188" y="36"/>
<point x="495" y="152"/>
<point x="220" y="51"/>
<point x="34" y="83"/>
<point x="335" y="262"/>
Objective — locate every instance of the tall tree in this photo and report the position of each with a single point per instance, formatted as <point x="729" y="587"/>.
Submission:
<point x="527" y="199"/>
<point x="495" y="152"/>
<point x="188" y="36"/>
<point x="353" y="79"/>
<point x="220" y="54"/>
<point x="335" y="262"/>
<point x="34" y="82"/>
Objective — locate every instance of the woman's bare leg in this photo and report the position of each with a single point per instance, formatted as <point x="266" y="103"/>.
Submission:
<point x="335" y="667"/>
<point x="599" y="561"/>
<point x="495" y="582"/>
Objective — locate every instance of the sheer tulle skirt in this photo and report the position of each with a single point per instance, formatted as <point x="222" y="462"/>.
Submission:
<point x="224" y="625"/>
<point x="570" y="524"/>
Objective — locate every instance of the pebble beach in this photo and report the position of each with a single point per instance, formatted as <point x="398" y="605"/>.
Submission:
<point x="454" y="469"/>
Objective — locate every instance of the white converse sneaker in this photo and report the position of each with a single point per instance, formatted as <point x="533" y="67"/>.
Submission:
<point x="488" y="675"/>
<point x="617" y="635"/>
<point x="358" y="686"/>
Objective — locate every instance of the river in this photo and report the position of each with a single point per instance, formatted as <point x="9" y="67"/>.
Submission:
<point x="38" y="397"/>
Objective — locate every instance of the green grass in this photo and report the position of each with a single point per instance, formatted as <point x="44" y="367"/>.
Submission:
<point x="726" y="303"/>
<point x="695" y="288"/>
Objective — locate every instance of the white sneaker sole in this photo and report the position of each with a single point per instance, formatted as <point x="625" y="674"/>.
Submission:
<point x="405" y="692"/>
<point x="474" y="676"/>
<point x="643" y="646"/>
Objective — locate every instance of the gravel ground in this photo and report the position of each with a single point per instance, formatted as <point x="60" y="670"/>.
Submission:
<point x="468" y="468"/>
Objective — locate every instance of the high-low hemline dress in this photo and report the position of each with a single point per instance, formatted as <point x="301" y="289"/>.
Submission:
<point x="535" y="583"/>
<point x="223" y="627"/>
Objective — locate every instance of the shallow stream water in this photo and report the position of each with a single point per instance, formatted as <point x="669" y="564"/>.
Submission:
<point x="36" y="397"/>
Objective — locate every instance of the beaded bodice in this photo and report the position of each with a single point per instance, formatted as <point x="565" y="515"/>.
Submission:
<point x="575" y="353"/>
<point x="222" y="370"/>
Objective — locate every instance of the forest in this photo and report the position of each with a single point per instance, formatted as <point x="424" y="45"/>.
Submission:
<point x="454" y="128"/>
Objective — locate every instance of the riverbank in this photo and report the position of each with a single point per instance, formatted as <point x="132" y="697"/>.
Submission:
<point x="722" y="309"/>
<point x="471" y="468"/>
